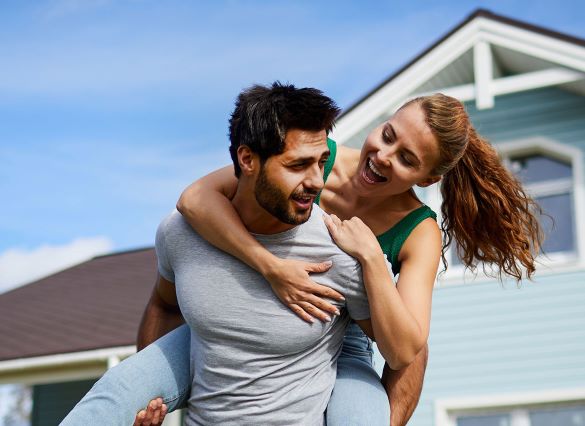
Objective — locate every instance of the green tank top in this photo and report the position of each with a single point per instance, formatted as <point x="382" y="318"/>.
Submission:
<point x="392" y="240"/>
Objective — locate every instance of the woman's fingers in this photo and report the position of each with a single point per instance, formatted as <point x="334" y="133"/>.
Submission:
<point x="324" y="291"/>
<point x="300" y="312"/>
<point x="335" y="219"/>
<point x="329" y="224"/>
<point x="323" y="305"/>
<point x="314" y="311"/>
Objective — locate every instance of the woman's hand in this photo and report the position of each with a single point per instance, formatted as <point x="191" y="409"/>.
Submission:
<point x="292" y="284"/>
<point x="152" y="415"/>
<point x="354" y="237"/>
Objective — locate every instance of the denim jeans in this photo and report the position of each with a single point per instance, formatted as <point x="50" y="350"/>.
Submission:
<point x="358" y="397"/>
<point x="163" y="369"/>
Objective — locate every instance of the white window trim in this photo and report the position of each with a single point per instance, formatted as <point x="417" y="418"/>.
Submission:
<point x="552" y="263"/>
<point x="447" y="409"/>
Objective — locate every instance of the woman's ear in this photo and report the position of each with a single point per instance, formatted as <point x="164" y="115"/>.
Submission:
<point x="247" y="159"/>
<point x="429" y="181"/>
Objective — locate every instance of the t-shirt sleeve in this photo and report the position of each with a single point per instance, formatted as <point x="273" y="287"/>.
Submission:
<point x="164" y="266"/>
<point x="356" y="299"/>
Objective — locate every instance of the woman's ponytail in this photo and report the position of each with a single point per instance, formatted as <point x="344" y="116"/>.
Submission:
<point x="484" y="209"/>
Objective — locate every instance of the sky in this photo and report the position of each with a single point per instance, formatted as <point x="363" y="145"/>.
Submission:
<point x="108" y="109"/>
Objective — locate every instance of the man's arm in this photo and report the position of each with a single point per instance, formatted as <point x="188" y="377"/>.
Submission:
<point x="162" y="313"/>
<point x="404" y="387"/>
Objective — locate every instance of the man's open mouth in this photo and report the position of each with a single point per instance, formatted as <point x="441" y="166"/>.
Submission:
<point x="304" y="200"/>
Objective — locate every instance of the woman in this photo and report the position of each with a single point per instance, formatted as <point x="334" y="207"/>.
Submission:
<point x="484" y="209"/>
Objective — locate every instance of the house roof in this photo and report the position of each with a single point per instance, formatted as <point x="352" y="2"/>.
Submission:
<point x="476" y="14"/>
<point x="96" y="304"/>
<point x="484" y="57"/>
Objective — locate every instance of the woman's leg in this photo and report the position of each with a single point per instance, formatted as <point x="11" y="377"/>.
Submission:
<point x="162" y="369"/>
<point x="358" y="397"/>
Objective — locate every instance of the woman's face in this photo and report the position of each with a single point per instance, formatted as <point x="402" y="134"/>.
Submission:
<point x="397" y="155"/>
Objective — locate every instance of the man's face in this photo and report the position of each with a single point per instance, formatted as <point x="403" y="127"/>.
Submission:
<point x="288" y="183"/>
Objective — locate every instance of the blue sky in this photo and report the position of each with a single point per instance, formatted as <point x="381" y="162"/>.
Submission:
<point x="108" y="109"/>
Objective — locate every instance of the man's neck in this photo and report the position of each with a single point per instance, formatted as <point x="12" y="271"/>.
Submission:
<point x="254" y="217"/>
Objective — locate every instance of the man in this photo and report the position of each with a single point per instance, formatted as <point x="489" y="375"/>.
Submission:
<point x="252" y="360"/>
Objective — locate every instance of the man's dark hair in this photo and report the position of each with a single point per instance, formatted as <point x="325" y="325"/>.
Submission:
<point x="263" y="115"/>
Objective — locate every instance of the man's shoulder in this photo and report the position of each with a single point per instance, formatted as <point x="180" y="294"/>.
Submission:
<point x="315" y="231"/>
<point x="174" y="226"/>
<point x="171" y="218"/>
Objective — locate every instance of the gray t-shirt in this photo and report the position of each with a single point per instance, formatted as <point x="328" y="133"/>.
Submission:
<point x="254" y="361"/>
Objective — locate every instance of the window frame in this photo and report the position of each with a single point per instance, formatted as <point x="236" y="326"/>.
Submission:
<point x="551" y="263"/>
<point x="518" y="405"/>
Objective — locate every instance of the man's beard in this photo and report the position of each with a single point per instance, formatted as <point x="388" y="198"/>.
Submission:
<point x="277" y="203"/>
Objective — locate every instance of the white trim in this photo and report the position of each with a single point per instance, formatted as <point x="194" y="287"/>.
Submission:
<point x="387" y="97"/>
<point x="13" y="365"/>
<point x="464" y="93"/>
<point x="478" y="31"/>
<point x="444" y="406"/>
<point x="511" y="84"/>
<point x="113" y="360"/>
<point x="550" y="187"/>
<point x="534" y="44"/>
<point x="535" y="80"/>
<point x="538" y="145"/>
<point x="483" y="69"/>
<point x="537" y="51"/>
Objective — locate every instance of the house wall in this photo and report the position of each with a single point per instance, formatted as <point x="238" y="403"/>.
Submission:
<point x="492" y="339"/>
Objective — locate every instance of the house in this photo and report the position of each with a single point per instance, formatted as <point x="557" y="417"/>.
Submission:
<point x="61" y="333"/>
<point x="499" y="354"/>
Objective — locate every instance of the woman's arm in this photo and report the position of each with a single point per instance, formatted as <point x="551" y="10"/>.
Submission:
<point x="400" y="315"/>
<point x="206" y="205"/>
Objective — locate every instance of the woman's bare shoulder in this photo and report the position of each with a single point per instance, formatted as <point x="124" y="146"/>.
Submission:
<point x="346" y="159"/>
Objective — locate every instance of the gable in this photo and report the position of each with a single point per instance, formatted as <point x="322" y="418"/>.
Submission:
<point x="485" y="57"/>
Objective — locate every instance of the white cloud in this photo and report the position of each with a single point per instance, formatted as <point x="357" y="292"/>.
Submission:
<point x="19" y="267"/>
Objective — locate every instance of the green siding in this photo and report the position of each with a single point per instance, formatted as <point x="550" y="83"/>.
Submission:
<point x="52" y="402"/>
<point x="492" y="339"/>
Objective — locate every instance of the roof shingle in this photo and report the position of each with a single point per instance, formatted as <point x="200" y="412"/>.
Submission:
<point x="96" y="304"/>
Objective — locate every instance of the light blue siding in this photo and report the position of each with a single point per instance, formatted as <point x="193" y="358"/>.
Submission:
<point x="489" y="338"/>
<point x="492" y="339"/>
<point x="551" y="113"/>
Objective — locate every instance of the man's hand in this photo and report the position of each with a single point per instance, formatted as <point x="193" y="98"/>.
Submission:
<point x="153" y="415"/>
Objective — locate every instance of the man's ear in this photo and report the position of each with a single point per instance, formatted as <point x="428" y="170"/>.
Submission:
<point x="248" y="161"/>
<point x="429" y="181"/>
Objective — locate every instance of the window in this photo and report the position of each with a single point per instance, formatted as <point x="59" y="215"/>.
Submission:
<point x="550" y="182"/>
<point x="485" y="420"/>
<point x="568" y="415"/>
<point x="549" y="172"/>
